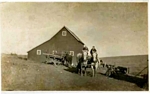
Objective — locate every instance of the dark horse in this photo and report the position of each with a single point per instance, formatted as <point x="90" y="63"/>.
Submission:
<point x="68" y="59"/>
<point x="82" y="59"/>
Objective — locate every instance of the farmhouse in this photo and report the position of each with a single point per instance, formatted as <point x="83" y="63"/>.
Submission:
<point x="63" y="41"/>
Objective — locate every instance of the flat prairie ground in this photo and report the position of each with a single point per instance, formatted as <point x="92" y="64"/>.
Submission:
<point x="26" y="75"/>
<point x="135" y="63"/>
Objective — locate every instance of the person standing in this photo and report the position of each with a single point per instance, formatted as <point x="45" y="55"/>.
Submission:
<point x="93" y="50"/>
<point x="85" y="48"/>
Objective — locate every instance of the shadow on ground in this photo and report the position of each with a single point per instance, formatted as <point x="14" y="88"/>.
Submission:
<point x="74" y="70"/>
<point x="143" y="83"/>
<point x="71" y="69"/>
<point x="138" y="81"/>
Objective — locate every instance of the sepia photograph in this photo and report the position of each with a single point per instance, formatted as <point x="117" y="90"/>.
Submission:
<point x="74" y="46"/>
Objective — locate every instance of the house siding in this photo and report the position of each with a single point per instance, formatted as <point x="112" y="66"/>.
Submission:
<point x="60" y="44"/>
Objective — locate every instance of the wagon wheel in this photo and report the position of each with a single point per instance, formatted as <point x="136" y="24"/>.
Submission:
<point x="108" y="73"/>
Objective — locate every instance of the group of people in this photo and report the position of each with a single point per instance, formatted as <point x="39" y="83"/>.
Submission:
<point x="85" y="48"/>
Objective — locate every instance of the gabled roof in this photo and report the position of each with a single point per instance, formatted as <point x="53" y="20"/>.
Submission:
<point x="57" y="33"/>
<point x="74" y="35"/>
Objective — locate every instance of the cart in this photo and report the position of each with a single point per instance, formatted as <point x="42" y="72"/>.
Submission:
<point x="53" y="59"/>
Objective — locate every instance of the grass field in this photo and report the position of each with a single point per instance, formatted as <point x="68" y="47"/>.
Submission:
<point x="25" y="75"/>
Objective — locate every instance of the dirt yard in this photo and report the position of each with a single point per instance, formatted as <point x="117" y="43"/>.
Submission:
<point x="26" y="75"/>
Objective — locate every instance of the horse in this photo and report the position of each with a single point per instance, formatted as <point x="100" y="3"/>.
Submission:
<point x="82" y="62"/>
<point x="68" y="59"/>
<point x="94" y="63"/>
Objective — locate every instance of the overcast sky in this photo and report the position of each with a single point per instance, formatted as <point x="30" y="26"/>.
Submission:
<point x="114" y="28"/>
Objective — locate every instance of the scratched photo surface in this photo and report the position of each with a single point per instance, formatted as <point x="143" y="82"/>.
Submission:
<point x="63" y="46"/>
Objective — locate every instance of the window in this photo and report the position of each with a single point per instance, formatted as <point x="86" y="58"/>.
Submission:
<point x="72" y="53"/>
<point x="54" y="52"/>
<point x="38" y="52"/>
<point x="64" y="33"/>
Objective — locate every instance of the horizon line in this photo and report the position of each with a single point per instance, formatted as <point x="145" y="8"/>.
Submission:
<point x="99" y="57"/>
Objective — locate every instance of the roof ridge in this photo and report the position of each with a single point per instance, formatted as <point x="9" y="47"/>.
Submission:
<point x="57" y="33"/>
<point x="74" y="35"/>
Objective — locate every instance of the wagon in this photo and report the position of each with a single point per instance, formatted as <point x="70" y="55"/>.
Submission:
<point x="114" y="70"/>
<point x="52" y="58"/>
